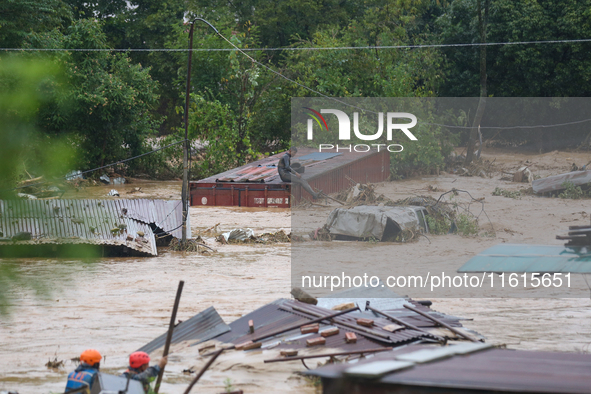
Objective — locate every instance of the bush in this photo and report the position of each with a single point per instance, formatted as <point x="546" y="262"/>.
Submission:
<point x="466" y="225"/>
<point x="438" y="224"/>
<point x="571" y="191"/>
<point x="506" y="193"/>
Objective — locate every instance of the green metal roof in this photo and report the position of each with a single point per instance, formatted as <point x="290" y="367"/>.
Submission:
<point x="531" y="258"/>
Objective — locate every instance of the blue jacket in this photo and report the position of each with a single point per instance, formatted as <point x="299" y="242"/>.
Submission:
<point x="145" y="377"/>
<point x="84" y="375"/>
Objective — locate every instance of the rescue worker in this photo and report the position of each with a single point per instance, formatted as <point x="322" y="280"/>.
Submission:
<point x="84" y="375"/>
<point x="288" y="174"/>
<point x="139" y="369"/>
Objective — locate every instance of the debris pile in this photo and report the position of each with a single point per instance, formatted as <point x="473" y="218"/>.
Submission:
<point x="247" y="236"/>
<point x="478" y="167"/>
<point x="38" y="188"/>
<point x="321" y="234"/>
<point x="54" y="364"/>
<point x="191" y="245"/>
<point x="361" y="194"/>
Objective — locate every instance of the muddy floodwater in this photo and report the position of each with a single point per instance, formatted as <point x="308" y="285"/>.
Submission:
<point x="117" y="305"/>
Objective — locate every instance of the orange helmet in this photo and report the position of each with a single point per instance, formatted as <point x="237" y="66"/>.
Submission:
<point x="90" y="357"/>
<point x="138" y="359"/>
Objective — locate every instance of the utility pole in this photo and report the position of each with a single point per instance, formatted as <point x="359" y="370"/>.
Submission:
<point x="185" y="190"/>
<point x="482" y="29"/>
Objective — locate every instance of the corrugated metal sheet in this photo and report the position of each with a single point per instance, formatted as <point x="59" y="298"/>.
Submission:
<point x="258" y="184"/>
<point x="530" y="258"/>
<point x="271" y="317"/>
<point x="332" y="176"/>
<point x="90" y="222"/>
<point x="200" y="328"/>
<point x="396" y="338"/>
<point x="260" y="171"/>
<point x="279" y="314"/>
<point x="496" y="370"/>
<point x="553" y="183"/>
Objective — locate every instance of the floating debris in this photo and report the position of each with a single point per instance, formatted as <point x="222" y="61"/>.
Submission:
<point x="516" y="194"/>
<point x="560" y="182"/>
<point x="105" y="179"/>
<point x="191" y="245"/>
<point x="247" y="236"/>
<point x="54" y="364"/>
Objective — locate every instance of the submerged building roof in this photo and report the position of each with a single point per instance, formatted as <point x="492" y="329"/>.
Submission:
<point x="272" y="320"/>
<point x="258" y="184"/>
<point x="122" y="226"/>
<point x="466" y="368"/>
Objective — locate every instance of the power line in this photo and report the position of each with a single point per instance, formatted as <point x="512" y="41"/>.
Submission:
<point x="100" y="168"/>
<point x="542" y="126"/>
<point x="347" y="48"/>
<point x="366" y="110"/>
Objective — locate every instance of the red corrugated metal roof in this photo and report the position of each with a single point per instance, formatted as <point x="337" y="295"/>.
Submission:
<point x="329" y="175"/>
<point x="265" y="170"/>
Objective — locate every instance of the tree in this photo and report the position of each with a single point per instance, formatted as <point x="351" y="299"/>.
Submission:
<point x="24" y="87"/>
<point x="108" y="99"/>
<point x="20" y="18"/>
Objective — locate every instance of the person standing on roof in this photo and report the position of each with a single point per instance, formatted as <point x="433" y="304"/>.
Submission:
<point x="139" y="369"/>
<point x="85" y="374"/>
<point x="286" y="172"/>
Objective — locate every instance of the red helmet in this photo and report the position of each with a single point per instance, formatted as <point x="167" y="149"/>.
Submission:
<point x="138" y="359"/>
<point x="90" y="357"/>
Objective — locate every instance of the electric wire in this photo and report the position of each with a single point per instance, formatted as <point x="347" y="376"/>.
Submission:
<point x="366" y="110"/>
<point x="99" y="168"/>
<point x="345" y="48"/>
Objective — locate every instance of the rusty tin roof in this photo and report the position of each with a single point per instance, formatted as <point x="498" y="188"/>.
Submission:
<point x="280" y="314"/>
<point x="265" y="170"/>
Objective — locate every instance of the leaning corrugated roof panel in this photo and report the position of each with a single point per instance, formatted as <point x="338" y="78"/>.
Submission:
<point x="201" y="327"/>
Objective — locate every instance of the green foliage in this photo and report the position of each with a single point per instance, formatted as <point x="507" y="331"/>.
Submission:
<point x="24" y="88"/>
<point x="147" y="87"/>
<point x="106" y="100"/>
<point x="519" y="70"/>
<point x="571" y="191"/>
<point x="428" y="152"/>
<point x="516" y="194"/>
<point x="215" y="123"/>
<point x="19" y="18"/>
<point x="438" y="224"/>
<point x="228" y="386"/>
<point x="466" y="224"/>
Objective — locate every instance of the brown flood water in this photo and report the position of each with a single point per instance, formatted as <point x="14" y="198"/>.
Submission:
<point x="117" y="305"/>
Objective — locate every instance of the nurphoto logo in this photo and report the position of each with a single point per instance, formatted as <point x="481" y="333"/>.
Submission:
<point x="345" y="129"/>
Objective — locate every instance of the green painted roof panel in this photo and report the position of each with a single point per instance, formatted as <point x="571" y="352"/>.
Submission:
<point x="531" y="258"/>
